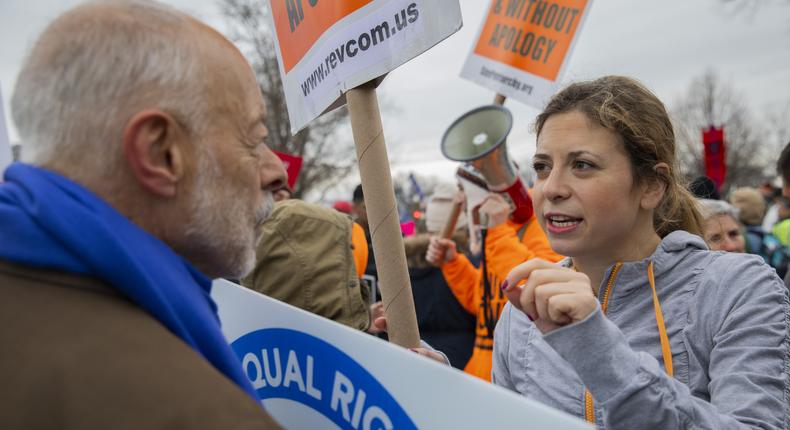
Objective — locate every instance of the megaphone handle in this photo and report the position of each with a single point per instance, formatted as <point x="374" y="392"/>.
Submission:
<point x="499" y="99"/>
<point x="452" y="220"/>
<point x="484" y="221"/>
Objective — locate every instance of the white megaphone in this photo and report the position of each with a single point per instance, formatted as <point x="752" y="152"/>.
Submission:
<point x="478" y="138"/>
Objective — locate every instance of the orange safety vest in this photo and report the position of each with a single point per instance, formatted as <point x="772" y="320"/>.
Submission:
<point x="507" y="246"/>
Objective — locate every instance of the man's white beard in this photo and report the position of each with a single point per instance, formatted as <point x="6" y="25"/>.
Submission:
<point x="221" y="225"/>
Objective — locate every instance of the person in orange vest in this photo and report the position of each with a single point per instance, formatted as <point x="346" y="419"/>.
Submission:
<point x="506" y="244"/>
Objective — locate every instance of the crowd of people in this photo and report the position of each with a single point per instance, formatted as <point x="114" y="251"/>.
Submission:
<point x="626" y="299"/>
<point x="745" y="224"/>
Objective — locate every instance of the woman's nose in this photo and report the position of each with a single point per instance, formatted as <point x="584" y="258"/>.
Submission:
<point x="554" y="186"/>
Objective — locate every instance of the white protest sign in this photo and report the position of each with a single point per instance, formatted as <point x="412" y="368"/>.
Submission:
<point x="6" y="155"/>
<point x="312" y="373"/>
<point x="327" y="47"/>
<point x="523" y="47"/>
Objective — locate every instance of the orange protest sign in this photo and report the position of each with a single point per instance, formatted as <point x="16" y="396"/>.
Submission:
<point x="529" y="35"/>
<point x="299" y="24"/>
<point x="327" y="47"/>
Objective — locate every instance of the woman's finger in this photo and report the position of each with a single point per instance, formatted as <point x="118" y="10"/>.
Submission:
<point x="523" y="270"/>
<point x="560" y="307"/>
<point x="522" y="299"/>
<point x="528" y="302"/>
<point x="558" y="277"/>
<point x="513" y="294"/>
<point x="554" y="273"/>
<point x="545" y="292"/>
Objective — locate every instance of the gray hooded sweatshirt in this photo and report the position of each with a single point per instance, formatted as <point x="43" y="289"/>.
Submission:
<point x="728" y="320"/>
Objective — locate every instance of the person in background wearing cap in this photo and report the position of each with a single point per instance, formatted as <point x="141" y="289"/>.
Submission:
<point x="507" y="244"/>
<point x="342" y="206"/>
<point x="442" y="321"/>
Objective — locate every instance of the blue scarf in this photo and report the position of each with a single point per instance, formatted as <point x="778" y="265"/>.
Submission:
<point x="51" y="222"/>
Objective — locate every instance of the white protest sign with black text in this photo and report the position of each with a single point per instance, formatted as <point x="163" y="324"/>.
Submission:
<point x="312" y="373"/>
<point x="523" y="47"/>
<point x="327" y="47"/>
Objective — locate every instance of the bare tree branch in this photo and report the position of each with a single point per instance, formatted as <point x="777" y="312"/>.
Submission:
<point x="710" y="102"/>
<point x="327" y="151"/>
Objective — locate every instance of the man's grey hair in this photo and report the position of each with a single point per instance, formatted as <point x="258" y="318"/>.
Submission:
<point x="710" y="208"/>
<point x="95" y="67"/>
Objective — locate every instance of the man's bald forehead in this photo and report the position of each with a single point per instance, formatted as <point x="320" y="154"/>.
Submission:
<point x="122" y="12"/>
<point x="90" y="20"/>
<point x="138" y="13"/>
<point x="98" y="63"/>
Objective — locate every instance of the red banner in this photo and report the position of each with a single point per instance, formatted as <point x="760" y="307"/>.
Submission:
<point x="293" y="165"/>
<point x="715" y="155"/>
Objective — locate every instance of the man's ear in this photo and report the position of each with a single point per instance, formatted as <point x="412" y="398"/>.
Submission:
<point x="153" y="143"/>
<point x="654" y="190"/>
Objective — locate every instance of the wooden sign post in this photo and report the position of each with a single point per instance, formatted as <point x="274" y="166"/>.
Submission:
<point x="374" y="169"/>
<point x="331" y="53"/>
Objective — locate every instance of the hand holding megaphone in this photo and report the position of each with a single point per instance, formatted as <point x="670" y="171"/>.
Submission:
<point x="478" y="138"/>
<point x="495" y="210"/>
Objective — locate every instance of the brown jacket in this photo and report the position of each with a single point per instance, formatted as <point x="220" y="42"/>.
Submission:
<point x="77" y="355"/>
<point x="305" y="258"/>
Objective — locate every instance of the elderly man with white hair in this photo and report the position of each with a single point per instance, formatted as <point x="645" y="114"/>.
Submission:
<point x="145" y="175"/>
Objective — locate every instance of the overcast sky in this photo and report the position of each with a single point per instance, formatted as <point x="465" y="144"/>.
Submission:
<point x="664" y="44"/>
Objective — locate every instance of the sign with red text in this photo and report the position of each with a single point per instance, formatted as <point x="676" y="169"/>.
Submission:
<point x="326" y="48"/>
<point x="313" y="373"/>
<point x="6" y="155"/>
<point x="523" y="47"/>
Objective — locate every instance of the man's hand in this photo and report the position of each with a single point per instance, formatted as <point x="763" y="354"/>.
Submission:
<point x="552" y="297"/>
<point x="441" y="251"/>
<point x="376" y="312"/>
<point x="381" y="325"/>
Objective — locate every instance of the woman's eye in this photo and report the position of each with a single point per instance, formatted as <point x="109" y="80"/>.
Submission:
<point x="539" y="167"/>
<point x="582" y="165"/>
